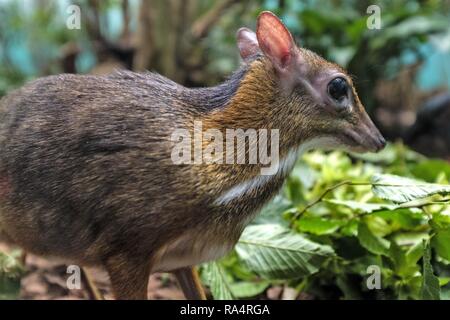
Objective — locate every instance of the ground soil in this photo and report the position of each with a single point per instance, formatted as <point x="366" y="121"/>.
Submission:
<point x="45" y="279"/>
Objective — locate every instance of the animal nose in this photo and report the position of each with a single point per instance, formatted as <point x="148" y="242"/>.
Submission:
<point x="381" y="143"/>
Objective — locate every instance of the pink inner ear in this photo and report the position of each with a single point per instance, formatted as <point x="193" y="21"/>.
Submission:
<point x="285" y="59"/>
<point x="274" y="39"/>
<point x="276" y="51"/>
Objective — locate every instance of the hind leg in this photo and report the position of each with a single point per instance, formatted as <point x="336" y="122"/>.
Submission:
<point x="129" y="277"/>
<point x="92" y="289"/>
<point x="190" y="283"/>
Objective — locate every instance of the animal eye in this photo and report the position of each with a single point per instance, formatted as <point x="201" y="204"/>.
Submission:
<point x="338" y="89"/>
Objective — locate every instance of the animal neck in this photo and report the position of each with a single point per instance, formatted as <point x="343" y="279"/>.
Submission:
<point x="254" y="105"/>
<point x="253" y="92"/>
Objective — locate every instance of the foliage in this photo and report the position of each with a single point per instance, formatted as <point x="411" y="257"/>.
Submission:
<point x="340" y="214"/>
<point x="338" y="31"/>
<point x="10" y="272"/>
<point x="32" y="38"/>
<point x="215" y="278"/>
<point x="274" y="252"/>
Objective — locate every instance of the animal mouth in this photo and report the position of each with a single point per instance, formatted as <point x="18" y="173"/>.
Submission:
<point x="353" y="141"/>
<point x="363" y="141"/>
<point x="351" y="138"/>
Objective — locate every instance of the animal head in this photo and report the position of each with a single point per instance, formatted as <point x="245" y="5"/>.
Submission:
<point x="318" y="96"/>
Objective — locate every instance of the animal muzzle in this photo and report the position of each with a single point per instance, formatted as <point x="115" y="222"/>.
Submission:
<point x="370" y="137"/>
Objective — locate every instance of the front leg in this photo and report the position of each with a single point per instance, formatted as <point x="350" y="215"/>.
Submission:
<point x="190" y="283"/>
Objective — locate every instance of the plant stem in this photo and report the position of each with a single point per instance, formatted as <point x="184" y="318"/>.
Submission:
<point x="327" y="190"/>
<point x="412" y="204"/>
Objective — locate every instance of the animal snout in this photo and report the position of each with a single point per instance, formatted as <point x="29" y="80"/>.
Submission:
<point x="379" y="142"/>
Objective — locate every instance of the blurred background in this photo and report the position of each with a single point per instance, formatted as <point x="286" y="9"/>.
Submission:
<point x="401" y="71"/>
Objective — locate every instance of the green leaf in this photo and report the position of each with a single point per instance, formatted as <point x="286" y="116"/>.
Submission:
<point x="318" y="226"/>
<point x="247" y="289"/>
<point x="10" y="273"/>
<point x="361" y="206"/>
<point x="275" y="252"/>
<point x="305" y="174"/>
<point x="9" y="287"/>
<point x="371" y="242"/>
<point x="410" y="238"/>
<point x="387" y="155"/>
<point x="407" y="219"/>
<point x="443" y="281"/>
<point x="400" y="189"/>
<point x="414" y="253"/>
<point x="408" y="28"/>
<point x="348" y="287"/>
<point x="430" y="283"/>
<point x="271" y="212"/>
<point x="217" y="282"/>
<point x="441" y="243"/>
<point x="405" y="264"/>
<point x="428" y="170"/>
<point x="364" y="207"/>
<point x="445" y="293"/>
<point x="440" y="221"/>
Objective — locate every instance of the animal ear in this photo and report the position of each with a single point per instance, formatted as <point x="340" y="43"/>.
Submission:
<point x="275" y="40"/>
<point x="247" y="43"/>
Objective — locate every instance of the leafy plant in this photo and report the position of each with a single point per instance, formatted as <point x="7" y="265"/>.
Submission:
<point x="339" y="215"/>
<point x="10" y="272"/>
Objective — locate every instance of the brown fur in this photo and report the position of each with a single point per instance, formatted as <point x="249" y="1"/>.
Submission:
<point x="86" y="174"/>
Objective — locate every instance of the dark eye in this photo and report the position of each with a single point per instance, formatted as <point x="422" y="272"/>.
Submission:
<point x="338" y="89"/>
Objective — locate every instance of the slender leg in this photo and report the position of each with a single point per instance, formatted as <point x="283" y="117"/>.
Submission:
<point x="129" y="278"/>
<point x="92" y="289"/>
<point x="23" y="258"/>
<point x="190" y="283"/>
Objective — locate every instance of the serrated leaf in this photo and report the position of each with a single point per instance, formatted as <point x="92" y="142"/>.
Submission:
<point x="371" y="242"/>
<point x="400" y="189"/>
<point x="430" y="283"/>
<point x="215" y="278"/>
<point x="275" y="252"/>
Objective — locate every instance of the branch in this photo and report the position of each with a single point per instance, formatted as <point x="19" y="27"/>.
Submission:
<point x="203" y="25"/>
<point x="145" y="49"/>
<point x="126" y="20"/>
<point x="327" y="190"/>
<point x="422" y="203"/>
